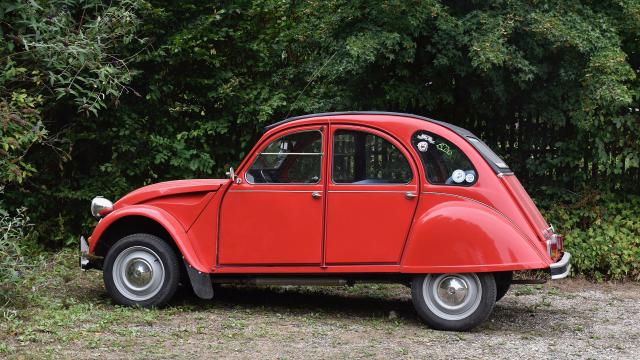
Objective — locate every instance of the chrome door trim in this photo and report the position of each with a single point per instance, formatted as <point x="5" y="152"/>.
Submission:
<point x="272" y="191"/>
<point x="367" y="191"/>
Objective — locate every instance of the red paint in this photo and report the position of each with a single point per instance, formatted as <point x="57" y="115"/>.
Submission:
<point x="368" y="224"/>
<point x="222" y="227"/>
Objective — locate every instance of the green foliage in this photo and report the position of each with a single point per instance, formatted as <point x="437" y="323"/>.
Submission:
<point x="21" y="127"/>
<point x="55" y="56"/>
<point x="16" y="249"/>
<point x="69" y="48"/>
<point x="602" y="233"/>
<point x="52" y="52"/>
<point x="551" y="85"/>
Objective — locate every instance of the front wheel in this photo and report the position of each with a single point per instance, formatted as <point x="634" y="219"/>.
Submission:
<point x="141" y="269"/>
<point x="454" y="301"/>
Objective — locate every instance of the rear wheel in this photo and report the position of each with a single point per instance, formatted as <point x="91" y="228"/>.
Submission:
<point x="142" y="270"/>
<point x="454" y="301"/>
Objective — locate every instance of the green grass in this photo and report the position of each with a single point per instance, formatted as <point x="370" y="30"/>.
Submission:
<point x="57" y="306"/>
<point x="57" y="311"/>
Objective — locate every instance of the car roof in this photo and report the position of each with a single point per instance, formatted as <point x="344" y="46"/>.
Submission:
<point x="464" y="133"/>
<point x="458" y="130"/>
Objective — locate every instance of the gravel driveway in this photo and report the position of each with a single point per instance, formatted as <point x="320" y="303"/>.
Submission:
<point x="564" y="319"/>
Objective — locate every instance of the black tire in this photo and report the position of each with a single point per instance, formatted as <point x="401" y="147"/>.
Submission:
<point x="153" y="253"/>
<point x="475" y="311"/>
<point x="503" y="283"/>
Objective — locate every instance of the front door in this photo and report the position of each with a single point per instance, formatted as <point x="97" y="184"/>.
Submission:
<point x="274" y="216"/>
<point x="371" y="199"/>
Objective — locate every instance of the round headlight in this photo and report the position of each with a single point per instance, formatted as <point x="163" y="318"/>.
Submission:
<point x="100" y="206"/>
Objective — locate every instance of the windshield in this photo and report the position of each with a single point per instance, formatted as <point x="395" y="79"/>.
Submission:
<point x="488" y="153"/>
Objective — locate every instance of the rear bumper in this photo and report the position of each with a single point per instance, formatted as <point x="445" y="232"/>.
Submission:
<point x="561" y="268"/>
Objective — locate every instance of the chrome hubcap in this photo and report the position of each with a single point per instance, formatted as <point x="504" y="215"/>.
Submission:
<point x="452" y="290"/>
<point x="138" y="273"/>
<point x="452" y="296"/>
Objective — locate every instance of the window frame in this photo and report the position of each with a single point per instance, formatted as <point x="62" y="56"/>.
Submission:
<point x="278" y="136"/>
<point x="424" y="168"/>
<point x="488" y="153"/>
<point x="374" y="132"/>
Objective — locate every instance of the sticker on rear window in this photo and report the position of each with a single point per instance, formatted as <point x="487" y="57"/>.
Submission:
<point x="458" y="176"/>
<point x="469" y="178"/>
<point x="423" y="146"/>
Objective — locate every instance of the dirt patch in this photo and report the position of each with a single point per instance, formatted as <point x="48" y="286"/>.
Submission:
<point x="563" y="319"/>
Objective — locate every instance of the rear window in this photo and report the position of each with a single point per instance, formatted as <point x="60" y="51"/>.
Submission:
<point x="444" y="163"/>
<point x="487" y="153"/>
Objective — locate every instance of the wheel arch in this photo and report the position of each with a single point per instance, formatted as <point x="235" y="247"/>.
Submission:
<point x="130" y="225"/>
<point x="144" y="219"/>
<point x="455" y="234"/>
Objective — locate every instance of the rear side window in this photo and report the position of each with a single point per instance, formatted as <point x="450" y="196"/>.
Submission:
<point x="444" y="163"/>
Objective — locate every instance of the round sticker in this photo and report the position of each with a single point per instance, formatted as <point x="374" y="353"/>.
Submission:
<point x="458" y="176"/>
<point x="469" y="178"/>
<point x="423" y="146"/>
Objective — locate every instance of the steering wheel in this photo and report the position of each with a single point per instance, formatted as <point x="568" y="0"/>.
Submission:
<point x="264" y="177"/>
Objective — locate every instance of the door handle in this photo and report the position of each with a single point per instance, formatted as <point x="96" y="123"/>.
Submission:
<point x="316" y="195"/>
<point x="410" y="195"/>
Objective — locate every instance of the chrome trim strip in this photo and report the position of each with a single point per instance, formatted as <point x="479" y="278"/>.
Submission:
<point x="464" y="197"/>
<point x="367" y="191"/>
<point x="278" y="191"/>
<point x="289" y="153"/>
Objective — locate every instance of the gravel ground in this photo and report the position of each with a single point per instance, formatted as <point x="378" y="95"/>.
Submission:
<point x="563" y="319"/>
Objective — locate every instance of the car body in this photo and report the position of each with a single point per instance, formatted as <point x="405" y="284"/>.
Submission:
<point x="332" y="199"/>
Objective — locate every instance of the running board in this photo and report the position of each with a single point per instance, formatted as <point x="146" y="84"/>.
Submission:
<point x="291" y="280"/>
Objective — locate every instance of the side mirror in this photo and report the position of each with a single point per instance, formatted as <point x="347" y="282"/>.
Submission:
<point x="231" y="174"/>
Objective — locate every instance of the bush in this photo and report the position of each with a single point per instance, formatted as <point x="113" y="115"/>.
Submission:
<point x="14" y="229"/>
<point x="602" y="233"/>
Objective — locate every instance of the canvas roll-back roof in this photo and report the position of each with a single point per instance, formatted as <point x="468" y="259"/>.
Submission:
<point x="458" y="130"/>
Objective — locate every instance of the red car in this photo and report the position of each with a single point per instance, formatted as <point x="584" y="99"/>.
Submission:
<point x="336" y="198"/>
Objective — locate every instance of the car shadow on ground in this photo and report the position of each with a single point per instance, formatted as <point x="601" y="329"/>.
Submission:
<point x="301" y="300"/>
<point x="518" y="317"/>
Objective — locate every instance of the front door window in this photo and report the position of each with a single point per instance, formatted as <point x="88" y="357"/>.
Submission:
<point x="294" y="158"/>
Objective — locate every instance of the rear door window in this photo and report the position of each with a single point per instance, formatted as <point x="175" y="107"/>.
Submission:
<point x="363" y="158"/>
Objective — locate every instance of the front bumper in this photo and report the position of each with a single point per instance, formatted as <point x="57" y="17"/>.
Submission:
<point x="87" y="259"/>
<point x="84" y="251"/>
<point x="561" y="268"/>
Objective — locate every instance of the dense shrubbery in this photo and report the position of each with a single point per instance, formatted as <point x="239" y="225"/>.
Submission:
<point x="53" y="54"/>
<point x="602" y="232"/>
<point x="13" y="230"/>
<point x="551" y="85"/>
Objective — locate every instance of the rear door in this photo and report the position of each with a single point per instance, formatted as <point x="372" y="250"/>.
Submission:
<point x="371" y="198"/>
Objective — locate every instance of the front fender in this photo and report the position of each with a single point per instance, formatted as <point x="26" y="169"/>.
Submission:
<point x="456" y="234"/>
<point x="163" y="218"/>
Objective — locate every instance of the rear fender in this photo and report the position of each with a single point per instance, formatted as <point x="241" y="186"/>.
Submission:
<point x="172" y="226"/>
<point x="457" y="234"/>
